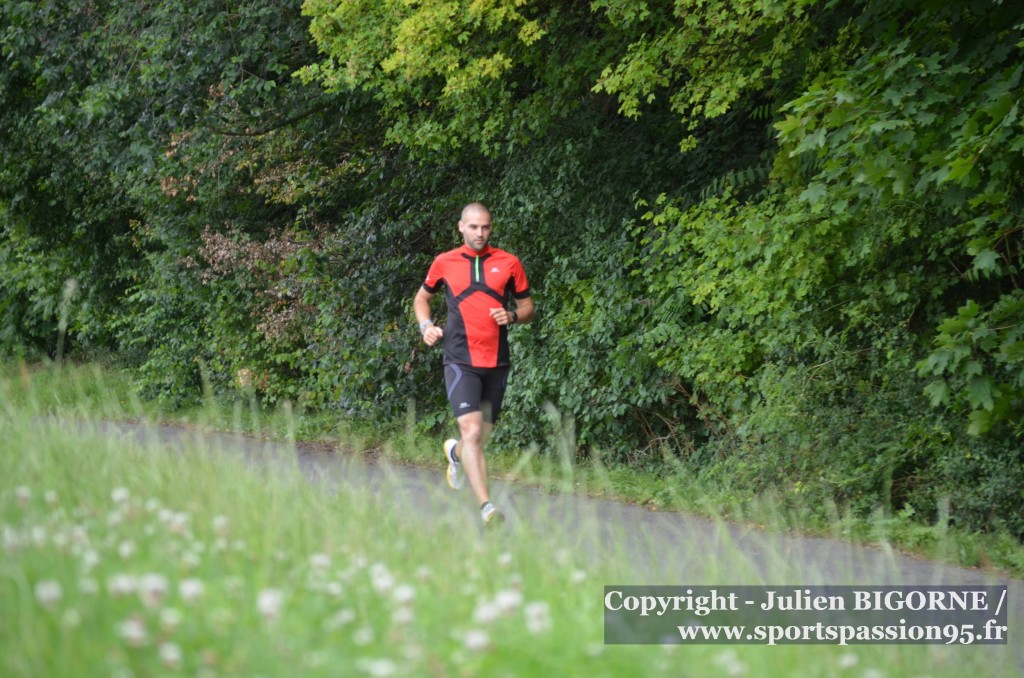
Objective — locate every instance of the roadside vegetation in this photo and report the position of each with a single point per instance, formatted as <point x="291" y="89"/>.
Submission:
<point x="120" y="558"/>
<point x="91" y="392"/>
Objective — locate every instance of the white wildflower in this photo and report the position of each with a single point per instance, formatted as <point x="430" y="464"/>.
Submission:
<point x="412" y="651"/>
<point x="152" y="589"/>
<point x="508" y="600"/>
<point x="424" y="573"/>
<point x="269" y="603"/>
<point x="190" y="560"/>
<point x="379" y="668"/>
<point x="334" y="589"/>
<point x="170" y="655"/>
<point x="402" y="616"/>
<point x="404" y="594"/>
<point x="730" y="663"/>
<point x="190" y="590"/>
<point x="342" y="618"/>
<point x="51" y="497"/>
<point x="114" y="518"/>
<point x="133" y="632"/>
<point x="363" y="636"/>
<point x="505" y="559"/>
<point x="486" y="612"/>
<point x="79" y="535"/>
<point x="578" y="576"/>
<point x="120" y="495"/>
<point x="11" y="539"/>
<point x="476" y="640"/>
<point x="847" y="661"/>
<point x="39" y="536"/>
<point x="178" y="523"/>
<point x="121" y="585"/>
<point x="49" y="592"/>
<point x="90" y="559"/>
<point x="61" y="540"/>
<point x="126" y="549"/>
<point x="538" y="617"/>
<point x="170" y="619"/>
<point x="152" y="504"/>
<point x="382" y="579"/>
<point x="320" y="561"/>
<point x="220" y="525"/>
<point x="22" y="494"/>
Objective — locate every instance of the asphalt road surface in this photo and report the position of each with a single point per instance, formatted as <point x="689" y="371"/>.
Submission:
<point x="646" y="547"/>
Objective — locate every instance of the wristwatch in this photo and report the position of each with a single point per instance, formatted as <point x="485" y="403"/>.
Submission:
<point x="424" y="324"/>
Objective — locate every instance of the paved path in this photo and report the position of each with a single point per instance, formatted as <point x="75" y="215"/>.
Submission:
<point x="641" y="546"/>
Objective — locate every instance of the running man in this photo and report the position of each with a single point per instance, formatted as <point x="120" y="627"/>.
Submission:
<point x="480" y="282"/>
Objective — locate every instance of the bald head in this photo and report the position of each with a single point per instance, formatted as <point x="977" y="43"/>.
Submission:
<point x="473" y="209"/>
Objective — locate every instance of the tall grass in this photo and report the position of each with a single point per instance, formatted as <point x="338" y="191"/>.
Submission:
<point x="126" y="558"/>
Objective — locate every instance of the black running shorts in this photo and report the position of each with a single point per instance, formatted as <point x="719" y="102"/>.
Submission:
<point x="476" y="389"/>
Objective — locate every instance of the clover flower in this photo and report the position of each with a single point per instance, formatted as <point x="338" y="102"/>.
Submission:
<point x="120" y="495"/>
<point x="486" y="612"/>
<point x="508" y="600"/>
<point x="379" y="668"/>
<point x="49" y="592"/>
<point x="120" y="585"/>
<point x="170" y="655"/>
<point x="152" y="589"/>
<point x="269" y="602"/>
<point x="538" y="617"/>
<point x="341" y="618"/>
<point x="190" y="590"/>
<point x="133" y="631"/>
<point x="363" y="636"/>
<point x="170" y="619"/>
<point x="476" y="640"/>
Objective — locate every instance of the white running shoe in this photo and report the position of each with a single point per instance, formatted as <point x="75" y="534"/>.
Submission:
<point x="491" y="515"/>
<point x="454" y="474"/>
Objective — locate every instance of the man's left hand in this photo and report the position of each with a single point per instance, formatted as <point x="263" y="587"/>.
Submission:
<point x="501" y="316"/>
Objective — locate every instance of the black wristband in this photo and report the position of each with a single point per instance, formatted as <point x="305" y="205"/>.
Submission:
<point x="515" y="318"/>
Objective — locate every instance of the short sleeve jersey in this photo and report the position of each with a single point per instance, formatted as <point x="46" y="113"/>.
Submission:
<point x="476" y="282"/>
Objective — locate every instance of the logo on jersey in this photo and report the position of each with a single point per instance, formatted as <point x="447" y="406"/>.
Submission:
<point x="495" y="270"/>
<point x="463" y="406"/>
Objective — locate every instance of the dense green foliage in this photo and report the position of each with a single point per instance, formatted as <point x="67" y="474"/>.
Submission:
<point x="779" y="241"/>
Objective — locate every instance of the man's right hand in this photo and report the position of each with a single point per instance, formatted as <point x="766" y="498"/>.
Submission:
<point x="432" y="334"/>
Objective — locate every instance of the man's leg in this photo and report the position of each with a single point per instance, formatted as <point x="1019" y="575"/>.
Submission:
<point x="474" y="434"/>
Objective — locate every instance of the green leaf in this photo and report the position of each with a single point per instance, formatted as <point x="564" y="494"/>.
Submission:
<point x="937" y="392"/>
<point x="986" y="261"/>
<point x="980" y="392"/>
<point x="980" y="422"/>
<point x="814" y="193"/>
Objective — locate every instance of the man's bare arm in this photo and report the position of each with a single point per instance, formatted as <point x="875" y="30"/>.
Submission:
<point x="421" y="307"/>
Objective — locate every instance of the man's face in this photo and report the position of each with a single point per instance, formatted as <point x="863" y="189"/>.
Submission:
<point x="476" y="229"/>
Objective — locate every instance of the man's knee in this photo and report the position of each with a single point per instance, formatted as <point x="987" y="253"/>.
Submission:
<point x="471" y="427"/>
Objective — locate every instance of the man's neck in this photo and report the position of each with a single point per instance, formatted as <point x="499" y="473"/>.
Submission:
<point x="469" y="251"/>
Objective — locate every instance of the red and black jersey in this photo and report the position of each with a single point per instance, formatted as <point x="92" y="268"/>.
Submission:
<point x="476" y="282"/>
